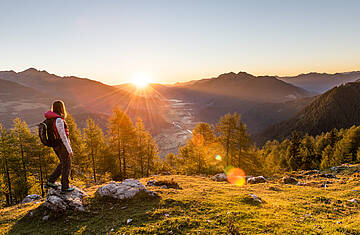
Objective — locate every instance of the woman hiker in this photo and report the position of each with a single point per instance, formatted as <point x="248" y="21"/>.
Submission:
<point x="62" y="149"/>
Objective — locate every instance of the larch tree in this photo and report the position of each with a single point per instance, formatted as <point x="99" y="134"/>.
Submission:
<point x="94" y="142"/>
<point x="234" y="138"/>
<point x="79" y="165"/>
<point x="121" y="133"/>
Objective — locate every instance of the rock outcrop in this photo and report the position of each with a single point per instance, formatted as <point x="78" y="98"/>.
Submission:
<point x="126" y="189"/>
<point x="31" y="198"/>
<point x="56" y="200"/>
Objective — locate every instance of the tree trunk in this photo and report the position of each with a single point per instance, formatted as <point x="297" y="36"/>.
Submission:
<point x="124" y="162"/>
<point x="9" y="199"/>
<point x="227" y="146"/>
<point x="23" y="160"/>
<point x="93" y="162"/>
<point x="41" y="176"/>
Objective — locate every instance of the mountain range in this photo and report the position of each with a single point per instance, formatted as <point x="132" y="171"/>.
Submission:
<point x="321" y="82"/>
<point x="280" y="104"/>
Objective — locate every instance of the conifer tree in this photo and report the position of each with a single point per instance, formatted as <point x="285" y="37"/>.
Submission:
<point x="293" y="152"/>
<point x="121" y="133"/>
<point x="94" y="142"/>
<point x="79" y="165"/>
<point x="5" y="165"/>
<point x="233" y="136"/>
<point x="22" y="137"/>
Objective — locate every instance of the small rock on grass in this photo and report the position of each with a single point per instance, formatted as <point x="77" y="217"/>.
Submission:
<point x="289" y="180"/>
<point x="354" y="200"/>
<point x="255" y="198"/>
<point x="219" y="177"/>
<point x="128" y="221"/>
<point x="256" y="180"/>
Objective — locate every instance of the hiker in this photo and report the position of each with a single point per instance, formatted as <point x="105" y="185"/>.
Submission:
<point x="61" y="147"/>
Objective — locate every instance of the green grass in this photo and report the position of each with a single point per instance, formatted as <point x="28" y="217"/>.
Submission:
<point x="207" y="207"/>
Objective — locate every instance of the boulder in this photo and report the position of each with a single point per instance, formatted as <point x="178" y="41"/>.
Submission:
<point x="256" y="180"/>
<point x="289" y="180"/>
<point x="31" y="198"/>
<point x="126" y="189"/>
<point x="56" y="200"/>
<point x="219" y="177"/>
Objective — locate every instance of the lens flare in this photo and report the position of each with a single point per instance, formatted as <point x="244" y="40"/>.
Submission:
<point x="235" y="176"/>
<point x="218" y="157"/>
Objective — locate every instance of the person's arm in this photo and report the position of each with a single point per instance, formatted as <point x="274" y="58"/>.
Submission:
<point x="61" y="130"/>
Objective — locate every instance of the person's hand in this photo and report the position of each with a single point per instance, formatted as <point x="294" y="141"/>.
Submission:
<point x="70" y="155"/>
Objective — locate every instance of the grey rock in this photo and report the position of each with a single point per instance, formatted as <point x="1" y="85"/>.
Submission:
<point x="219" y="177"/>
<point x="255" y="198"/>
<point x="31" y="198"/>
<point x="256" y="180"/>
<point x="56" y="200"/>
<point x="45" y="218"/>
<point x="289" y="180"/>
<point x="354" y="201"/>
<point x="151" y="183"/>
<point x="126" y="189"/>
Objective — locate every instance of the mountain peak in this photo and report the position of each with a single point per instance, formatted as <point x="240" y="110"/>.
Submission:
<point x="30" y="71"/>
<point x="232" y="75"/>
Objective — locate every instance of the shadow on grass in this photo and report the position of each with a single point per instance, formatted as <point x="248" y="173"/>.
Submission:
<point x="103" y="215"/>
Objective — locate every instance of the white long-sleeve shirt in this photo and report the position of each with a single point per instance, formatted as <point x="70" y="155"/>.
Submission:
<point x="61" y="130"/>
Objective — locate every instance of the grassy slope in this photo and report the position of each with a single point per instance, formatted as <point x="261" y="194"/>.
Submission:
<point x="207" y="207"/>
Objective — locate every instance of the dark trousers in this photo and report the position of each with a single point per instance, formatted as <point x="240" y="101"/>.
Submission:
<point x="63" y="168"/>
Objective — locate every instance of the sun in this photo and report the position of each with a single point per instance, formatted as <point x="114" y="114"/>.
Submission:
<point x="141" y="80"/>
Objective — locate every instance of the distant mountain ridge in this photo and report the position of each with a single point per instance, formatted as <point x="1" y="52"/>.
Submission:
<point x="321" y="82"/>
<point x="337" y="108"/>
<point x="89" y="95"/>
<point x="248" y="87"/>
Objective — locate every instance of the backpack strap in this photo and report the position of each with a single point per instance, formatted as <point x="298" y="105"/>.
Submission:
<point x="55" y="129"/>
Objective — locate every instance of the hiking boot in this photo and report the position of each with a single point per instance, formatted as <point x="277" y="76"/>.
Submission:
<point x="51" y="185"/>
<point x="67" y="190"/>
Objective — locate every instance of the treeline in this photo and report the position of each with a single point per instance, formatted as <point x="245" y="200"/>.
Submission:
<point x="308" y="152"/>
<point x="127" y="150"/>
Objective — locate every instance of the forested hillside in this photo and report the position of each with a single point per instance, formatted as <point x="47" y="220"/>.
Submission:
<point x="337" y="108"/>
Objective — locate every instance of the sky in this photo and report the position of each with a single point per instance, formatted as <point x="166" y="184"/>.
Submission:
<point x="179" y="40"/>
